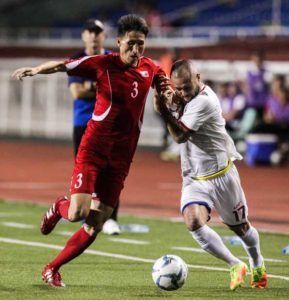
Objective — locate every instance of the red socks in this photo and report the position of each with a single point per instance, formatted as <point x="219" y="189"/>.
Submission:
<point x="80" y="241"/>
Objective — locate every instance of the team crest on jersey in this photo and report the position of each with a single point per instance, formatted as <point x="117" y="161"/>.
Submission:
<point x="144" y="74"/>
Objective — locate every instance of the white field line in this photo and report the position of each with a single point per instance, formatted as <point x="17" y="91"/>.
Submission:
<point x="198" y="250"/>
<point x="189" y="249"/>
<point x="129" y="241"/>
<point x="70" y="233"/>
<point x="120" y="256"/>
<point x="213" y="219"/>
<point x="17" y="225"/>
<point x="29" y="226"/>
<point x="8" y="214"/>
<point x="32" y="185"/>
<point x="64" y="233"/>
<point x="268" y="259"/>
<point x="126" y="241"/>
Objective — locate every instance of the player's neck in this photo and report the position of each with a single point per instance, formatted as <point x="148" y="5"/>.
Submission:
<point x="127" y="63"/>
<point x="202" y="86"/>
<point x="91" y="51"/>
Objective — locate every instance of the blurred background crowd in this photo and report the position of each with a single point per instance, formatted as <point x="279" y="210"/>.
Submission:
<point x="240" y="48"/>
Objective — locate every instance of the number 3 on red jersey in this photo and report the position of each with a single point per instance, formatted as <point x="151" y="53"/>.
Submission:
<point x="78" y="183"/>
<point x="134" y="92"/>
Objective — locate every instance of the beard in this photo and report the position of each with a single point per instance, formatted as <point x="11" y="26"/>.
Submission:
<point x="197" y="91"/>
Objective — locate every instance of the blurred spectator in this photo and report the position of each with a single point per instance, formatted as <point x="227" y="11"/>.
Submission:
<point x="171" y="152"/>
<point x="276" y="114"/>
<point x="257" y="86"/>
<point x="256" y="90"/>
<point x="222" y="92"/>
<point x="233" y="103"/>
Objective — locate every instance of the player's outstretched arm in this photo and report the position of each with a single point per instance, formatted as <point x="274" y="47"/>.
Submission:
<point x="45" y="68"/>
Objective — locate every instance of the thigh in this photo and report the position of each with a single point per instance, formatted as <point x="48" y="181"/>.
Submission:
<point x="79" y="205"/>
<point x="83" y="179"/>
<point x="86" y="170"/>
<point x="230" y="201"/>
<point x="196" y="192"/>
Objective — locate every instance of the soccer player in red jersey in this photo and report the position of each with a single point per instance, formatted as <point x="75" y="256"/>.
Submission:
<point x="109" y="143"/>
<point x="83" y="92"/>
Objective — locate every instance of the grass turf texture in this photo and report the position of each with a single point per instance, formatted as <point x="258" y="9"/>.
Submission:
<point x="97" y="277"/>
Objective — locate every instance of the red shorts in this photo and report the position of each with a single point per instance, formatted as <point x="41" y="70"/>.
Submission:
<point x="94" y="174"/>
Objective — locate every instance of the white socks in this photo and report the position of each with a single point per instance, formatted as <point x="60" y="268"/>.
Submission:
<point x="211" y="242"/>
<point x="252" y="246"/>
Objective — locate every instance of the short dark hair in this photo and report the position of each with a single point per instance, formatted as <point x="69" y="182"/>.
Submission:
<point x="93" y="25"/>
<point x="183" y="64"/>
<point x="132" y="22"/>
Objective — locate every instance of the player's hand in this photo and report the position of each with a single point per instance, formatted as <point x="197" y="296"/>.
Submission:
<point x="90" y="86"/>
<point x="24" y="72"/>
<point x="162" y="84"/>
<point x="165" y="90"/>
<point x="167" y="95"/>
<point x="173" y="101"/>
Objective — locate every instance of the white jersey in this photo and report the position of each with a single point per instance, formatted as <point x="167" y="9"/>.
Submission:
<point x="209" y="148"/>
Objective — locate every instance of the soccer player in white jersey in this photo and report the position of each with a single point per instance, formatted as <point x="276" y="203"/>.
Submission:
<point x="210" y="178"/>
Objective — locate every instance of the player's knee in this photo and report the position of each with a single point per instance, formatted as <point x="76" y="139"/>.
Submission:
<point x="241" y="229"/>
<point x="193" y="221"/>
<point x="194" y="224"/>
<point x="93" y="229"/>
<point x="195" y="216"/>
<point x="78" y="214"/>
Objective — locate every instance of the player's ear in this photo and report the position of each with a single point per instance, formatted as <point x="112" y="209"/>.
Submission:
<point x="83" y="36"/>
<point x="118" y="42"/>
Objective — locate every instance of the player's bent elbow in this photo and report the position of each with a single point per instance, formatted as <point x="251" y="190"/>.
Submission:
<point x="181" y="138"/>
<point x="178" y="140"/>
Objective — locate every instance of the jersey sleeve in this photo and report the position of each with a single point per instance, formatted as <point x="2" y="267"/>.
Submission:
<point x="196" y="113"/>
<point x="84" y="67"/>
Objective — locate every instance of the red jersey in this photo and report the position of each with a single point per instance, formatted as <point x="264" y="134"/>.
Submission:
<point x="122" y="90"/>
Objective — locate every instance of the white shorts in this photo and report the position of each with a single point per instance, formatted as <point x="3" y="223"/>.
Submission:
<point x="224" y="193"/>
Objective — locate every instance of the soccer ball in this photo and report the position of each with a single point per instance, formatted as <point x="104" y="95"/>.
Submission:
<point x="169" y="272"/>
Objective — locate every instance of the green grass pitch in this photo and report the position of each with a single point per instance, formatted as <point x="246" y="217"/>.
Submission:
<point x="121" y="270"/>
